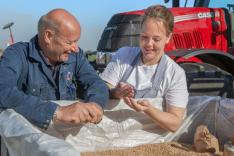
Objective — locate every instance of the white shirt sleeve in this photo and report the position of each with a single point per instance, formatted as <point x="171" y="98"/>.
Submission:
<point x="114" y="71"/>
<point x="177" y="94"/>
<point x="111" y="73"/>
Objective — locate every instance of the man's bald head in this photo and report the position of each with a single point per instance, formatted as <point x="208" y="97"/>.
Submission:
<point x="57" y="20"/>
<point x="58" y="35"/>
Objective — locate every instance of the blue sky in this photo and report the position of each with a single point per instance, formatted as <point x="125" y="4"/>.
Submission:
<point x="92" y="14"/>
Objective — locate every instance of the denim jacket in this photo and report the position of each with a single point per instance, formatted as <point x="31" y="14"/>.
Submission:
<point x="27" y="85"/>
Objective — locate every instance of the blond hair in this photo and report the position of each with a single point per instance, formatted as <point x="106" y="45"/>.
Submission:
<point x="160" y="12"/>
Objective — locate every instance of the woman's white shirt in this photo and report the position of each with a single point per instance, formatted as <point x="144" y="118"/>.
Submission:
<point x="173" y="86"/>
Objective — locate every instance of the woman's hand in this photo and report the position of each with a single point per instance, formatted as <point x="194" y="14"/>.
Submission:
<point x="122" y="90"/>
<point x="169" y="120"/>
<point x="139" y="106"/>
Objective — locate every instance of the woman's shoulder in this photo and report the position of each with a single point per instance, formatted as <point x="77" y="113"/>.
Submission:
<point x="126" y="54"/>
<point x="173" y="67"/>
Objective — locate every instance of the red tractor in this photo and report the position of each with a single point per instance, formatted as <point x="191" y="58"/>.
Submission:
<point x="202" y="44"/>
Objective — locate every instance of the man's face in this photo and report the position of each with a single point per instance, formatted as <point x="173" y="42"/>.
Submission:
<point x="62" y="44"/>
<point x="153" y="40"/>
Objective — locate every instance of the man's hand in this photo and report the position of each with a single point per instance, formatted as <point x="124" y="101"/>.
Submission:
<point x="80" y="112"/>
<point x="139" y="106"/>
<point x="122" y="90"/>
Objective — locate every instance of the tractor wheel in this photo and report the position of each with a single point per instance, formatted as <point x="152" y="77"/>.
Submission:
<point x="207" y="79"/>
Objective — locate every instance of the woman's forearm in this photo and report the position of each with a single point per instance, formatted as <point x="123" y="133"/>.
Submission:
<point x="165" y="120"/>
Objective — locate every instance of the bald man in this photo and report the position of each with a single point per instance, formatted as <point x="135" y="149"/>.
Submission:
<point x="51" y="67"/>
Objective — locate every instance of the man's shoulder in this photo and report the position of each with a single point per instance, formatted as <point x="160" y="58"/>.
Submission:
<point x="76" y="57"/>
<point x="16" y="49"/>
<point x="78" y="53"/>
<point x="18" y="45"/>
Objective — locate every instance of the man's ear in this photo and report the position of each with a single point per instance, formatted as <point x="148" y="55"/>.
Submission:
<point x="48" y="36"/>
<point x="168" y="38"/>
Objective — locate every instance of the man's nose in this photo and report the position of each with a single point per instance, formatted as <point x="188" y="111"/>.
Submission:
<point x="74" y="47"/>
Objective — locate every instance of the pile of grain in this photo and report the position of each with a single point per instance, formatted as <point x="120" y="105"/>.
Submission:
<point x="162" y="149"/>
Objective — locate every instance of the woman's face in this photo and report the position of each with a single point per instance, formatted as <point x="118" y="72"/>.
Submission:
<point x="153" y="40"/>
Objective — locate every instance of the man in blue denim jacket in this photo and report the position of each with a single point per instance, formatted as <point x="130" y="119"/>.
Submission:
<point x="51" y="67"/>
